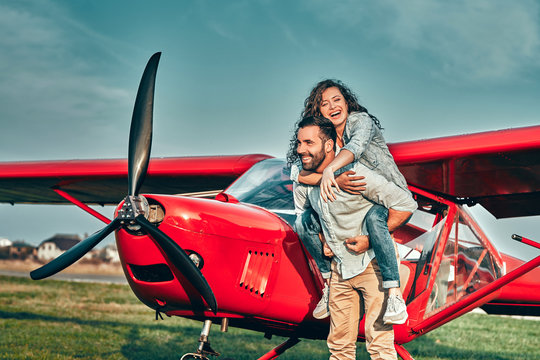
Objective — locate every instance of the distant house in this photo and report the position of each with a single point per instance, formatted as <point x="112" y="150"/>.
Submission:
<point x="110" y="254"/>
<point x="5" y="242"/>
<point x="55" y="246"/>
<point x="21" y="250"/>
<point x="5" y="245"/>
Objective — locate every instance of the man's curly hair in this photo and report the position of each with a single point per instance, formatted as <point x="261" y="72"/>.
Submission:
<point x="327" y="131"/>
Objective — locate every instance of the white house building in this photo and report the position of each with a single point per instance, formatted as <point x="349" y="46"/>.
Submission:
<point x="55" y="246"/>
<point x="110" y="254"/>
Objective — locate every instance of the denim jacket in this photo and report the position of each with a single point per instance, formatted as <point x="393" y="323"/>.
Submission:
<point x="365" y="140"/>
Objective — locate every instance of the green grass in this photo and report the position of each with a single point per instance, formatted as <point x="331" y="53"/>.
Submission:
<point x="63" y="320"/>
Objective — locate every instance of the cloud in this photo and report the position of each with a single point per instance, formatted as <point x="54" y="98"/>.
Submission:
<point x="225" y="19"/>
<point x="47" y="77"/>
<point x="241" y="21"/>
<point x="481" y="39"/>
<point x="475" y="40"/>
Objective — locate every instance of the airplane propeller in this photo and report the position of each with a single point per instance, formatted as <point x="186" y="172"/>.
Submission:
<point x="135" y="207"/>
<point x="140" y="133"/>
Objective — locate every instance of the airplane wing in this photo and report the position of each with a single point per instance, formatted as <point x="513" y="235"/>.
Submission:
<point x="104" y="182"/>
<point x="498" y="169"/>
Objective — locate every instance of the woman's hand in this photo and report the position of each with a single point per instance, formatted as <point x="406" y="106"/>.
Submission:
<point x="350" y="183"/>
<point x="327" y="181"/>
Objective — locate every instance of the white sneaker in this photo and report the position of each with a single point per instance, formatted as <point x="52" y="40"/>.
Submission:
<point x="321" y="310"/>
<point x="396" y="311"/>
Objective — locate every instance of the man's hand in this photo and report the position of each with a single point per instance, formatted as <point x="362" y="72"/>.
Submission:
<point x="350" y="183"/>
<point x="327" y="181"/>
<point x="358" y="244"/>
<point x="327" y="251"/>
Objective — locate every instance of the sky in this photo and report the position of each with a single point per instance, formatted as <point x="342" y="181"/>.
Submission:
<point x="233" y="77"/>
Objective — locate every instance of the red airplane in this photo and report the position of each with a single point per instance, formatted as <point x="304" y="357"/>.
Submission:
<point x="235" y="259"/>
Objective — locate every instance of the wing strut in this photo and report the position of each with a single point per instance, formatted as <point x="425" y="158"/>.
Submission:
<point x="82" y="205"/>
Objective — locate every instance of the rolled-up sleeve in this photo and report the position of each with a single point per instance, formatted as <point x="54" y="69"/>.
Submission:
<point x="360" y="133"/>
<point x="301" y="200"/>
<point x="295" y="172"/>
<point x="384" y="192"/>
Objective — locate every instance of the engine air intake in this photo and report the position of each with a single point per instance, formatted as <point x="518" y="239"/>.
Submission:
<point x="151" y="273"/>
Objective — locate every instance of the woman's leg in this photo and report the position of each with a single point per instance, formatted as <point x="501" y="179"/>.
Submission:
<point x="385" y="252"/>
<point x="383" y="245"/>
<point x="308" y="228"/>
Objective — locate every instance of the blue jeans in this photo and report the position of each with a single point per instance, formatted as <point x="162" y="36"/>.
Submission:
<point x="382" y="244"/>
<point x="308" y="228"/>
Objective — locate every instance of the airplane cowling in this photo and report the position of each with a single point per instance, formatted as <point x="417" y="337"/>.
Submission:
<point x="212" y="217"/>
<point x="244" y="250"/>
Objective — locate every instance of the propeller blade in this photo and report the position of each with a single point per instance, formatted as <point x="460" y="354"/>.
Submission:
<point x="181" y="261"/>
<point x="75" y="253"/>
<point x="140" y="134"/>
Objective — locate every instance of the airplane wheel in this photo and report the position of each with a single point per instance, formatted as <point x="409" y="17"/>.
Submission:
<point x="191" y="356"/>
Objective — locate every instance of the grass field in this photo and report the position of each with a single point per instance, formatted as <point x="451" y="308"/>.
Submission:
<point x="65" y="320"/>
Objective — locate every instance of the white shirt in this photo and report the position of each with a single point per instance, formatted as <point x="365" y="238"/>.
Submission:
<point x="343" y="218"/>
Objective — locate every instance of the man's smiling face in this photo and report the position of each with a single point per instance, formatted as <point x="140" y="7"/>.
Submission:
<point x="310" y="147"/>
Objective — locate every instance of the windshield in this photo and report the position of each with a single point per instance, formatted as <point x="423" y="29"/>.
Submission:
<point x="267" y="184"/>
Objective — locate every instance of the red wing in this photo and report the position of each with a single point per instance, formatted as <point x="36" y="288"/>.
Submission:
<point x="105" y="181"/>
<point x="498" y="169"/>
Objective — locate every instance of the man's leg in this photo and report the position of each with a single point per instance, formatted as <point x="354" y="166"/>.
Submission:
<point x="308" y="228"/>
<point x="379" y="337"/>
<point x="344" y="318"/>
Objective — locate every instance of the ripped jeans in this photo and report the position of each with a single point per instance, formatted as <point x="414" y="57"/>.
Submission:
<point x="308" y="228"/>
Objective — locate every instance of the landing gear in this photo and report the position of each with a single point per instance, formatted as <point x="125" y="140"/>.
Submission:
<point x="204" y="348"/>
<point x="192" y="356"/>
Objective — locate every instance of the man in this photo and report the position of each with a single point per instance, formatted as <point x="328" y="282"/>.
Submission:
<point x="354" y="270"/>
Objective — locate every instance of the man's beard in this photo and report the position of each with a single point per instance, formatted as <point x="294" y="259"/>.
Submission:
<point x="316" y="160"/>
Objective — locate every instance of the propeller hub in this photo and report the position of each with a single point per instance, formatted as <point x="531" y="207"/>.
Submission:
<point x="133" y="206"/>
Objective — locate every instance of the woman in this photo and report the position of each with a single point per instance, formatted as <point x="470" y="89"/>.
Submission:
<point x="359" y="139"/>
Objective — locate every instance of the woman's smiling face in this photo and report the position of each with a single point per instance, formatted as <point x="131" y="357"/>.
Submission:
<point x="334" y="107"/>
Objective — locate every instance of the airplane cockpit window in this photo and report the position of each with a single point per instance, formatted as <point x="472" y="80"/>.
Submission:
<point x="466" y="266"/>
<point x="417" y="238"/>
<point x="267" y="184"/>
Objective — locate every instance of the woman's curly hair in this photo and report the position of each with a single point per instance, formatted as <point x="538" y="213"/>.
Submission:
<point x="312" y="107"/>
